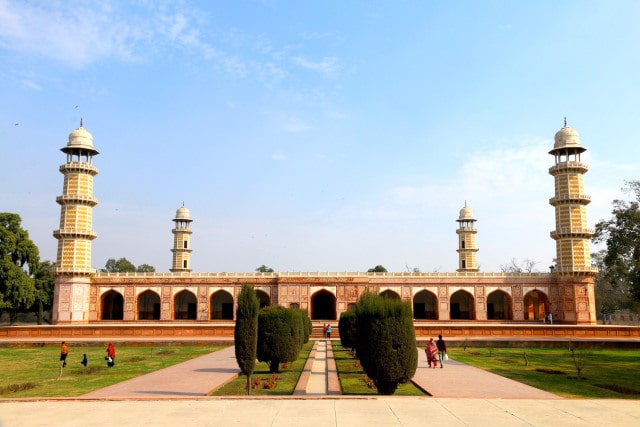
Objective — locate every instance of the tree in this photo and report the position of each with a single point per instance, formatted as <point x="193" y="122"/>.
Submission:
<point x="264" y="269"/>
<point x="377" y="269"/>
<point x="347" y="329"/>
<point x="45" y="285"/>
<point x="514" y="266"/>
<point x="246" y="332"/>
<point x="278" y="336"/>
<point x="17" y="253"/>
<point x="123" y="265"/>
<point x="386" y="341"/>
<point x="145" y="268"/>
<point x="621" y="234"/>
<point x="612" y="295"/>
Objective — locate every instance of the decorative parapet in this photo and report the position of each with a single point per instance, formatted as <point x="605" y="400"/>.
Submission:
<point x="286" y="274"/>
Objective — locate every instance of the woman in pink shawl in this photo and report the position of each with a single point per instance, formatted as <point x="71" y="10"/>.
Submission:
<point x="432" y="353"/>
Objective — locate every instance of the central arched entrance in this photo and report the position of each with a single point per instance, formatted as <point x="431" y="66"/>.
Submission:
<point x="323" y="306"/>
<point x="536" y="305"/>
<point x="221" y="306"/>
<point x="148" y="306"/>
<point x="112" y="306"/>
<point x="185" y="306"/>
<point x="461" y="307"/>
<point x="424" y="306"/>
<point x="499" y="306"/>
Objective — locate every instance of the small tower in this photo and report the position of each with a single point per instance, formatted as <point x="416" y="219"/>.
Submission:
<point x="571" y="234"/>
<point x="467" y="248"/>
<point x="73" y="262"/>
<point x="182" y="241"/>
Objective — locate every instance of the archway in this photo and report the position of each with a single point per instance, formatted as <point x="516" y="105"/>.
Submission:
<point x="112" y="306"/>
<point x="263" y="297"/>
<point x="221" y="306"/>
<point x="148" y="306"/>
<point x="499" y="306"/>
<point x="425" y="306"/>
<point x="536" y="305"/>
<point x="389" y="294"/>
<point x="323" y="306"/>
<point x="462" y="306"/>
<point x="185" y="306"/>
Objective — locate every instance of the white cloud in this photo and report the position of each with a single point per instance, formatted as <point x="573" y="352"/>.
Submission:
<point x="277" y="156"/>
<point x="92" y="31"/>
<point x="31" y="85"/>
<point x="328" y="64"/>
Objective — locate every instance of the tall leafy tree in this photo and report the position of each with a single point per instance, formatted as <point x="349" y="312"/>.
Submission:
<point x="45" y="284"/>
<point x="386" y="341"/>
<point x="621" y="234"/>
<point x="246" y="332"/>
<point x="377" y="269"/>
<point x="19" y="258"/>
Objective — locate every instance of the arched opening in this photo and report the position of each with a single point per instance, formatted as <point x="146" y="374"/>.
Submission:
<point x="263" y="297"/>
<point x="461" y="306"/>
<point x="389" y="294"/>
<point x="536" y="305"/>
<point x="499" y="306"/>
<point x="323" y="306"/>
<point x="112" y="306"/>
<point x="425" y="306"/>
<point x="221" y="306"/>
<point x="148" y="306"/>
<point x="185" y="306"/>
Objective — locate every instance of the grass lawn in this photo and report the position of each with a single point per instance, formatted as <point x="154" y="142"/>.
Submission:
<point x="352" y="378"/>
<point x="284" y="384"/>
<point x="33" y="372"/>
<point x="607" y="373"/>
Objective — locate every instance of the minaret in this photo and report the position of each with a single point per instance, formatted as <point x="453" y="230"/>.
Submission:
<point x="575" y="296"/>
<point x="572" y="236"/>
<point x="73" y="262"/>
<point x="467" y="248"/>
<point x="182" y="241"/>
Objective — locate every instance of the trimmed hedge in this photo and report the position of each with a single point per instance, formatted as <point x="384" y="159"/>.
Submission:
<point x="386" y="341"/>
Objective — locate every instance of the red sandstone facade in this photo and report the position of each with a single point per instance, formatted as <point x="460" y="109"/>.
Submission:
<point x="83" y="295"/>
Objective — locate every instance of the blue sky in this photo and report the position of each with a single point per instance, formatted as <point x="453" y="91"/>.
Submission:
<point x="320" y="135"/>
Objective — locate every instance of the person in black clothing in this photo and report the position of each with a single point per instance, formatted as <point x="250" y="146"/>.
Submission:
<point x="442" y="350"/>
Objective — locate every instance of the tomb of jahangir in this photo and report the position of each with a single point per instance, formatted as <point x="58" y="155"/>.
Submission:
<point x="84" y="296"/>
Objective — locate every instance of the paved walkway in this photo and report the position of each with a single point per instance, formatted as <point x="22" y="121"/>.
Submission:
<point x="456" y="379"/>
<point x="195" y="377"/>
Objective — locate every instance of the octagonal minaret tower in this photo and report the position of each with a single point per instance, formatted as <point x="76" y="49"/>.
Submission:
<point x="467" y="248"/>
<point x="571" y="234"/>
<point x="73" y="262"/>
<point x="182" y="241"/>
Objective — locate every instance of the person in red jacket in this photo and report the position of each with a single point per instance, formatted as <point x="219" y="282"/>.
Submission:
<point x="111" y="355"/>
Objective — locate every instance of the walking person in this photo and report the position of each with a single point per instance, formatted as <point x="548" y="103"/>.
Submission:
<point x="329" y="331"/>
<point x="64" y="352"/>
<point x="111" y="355"/>
<point x="324" y="330"/>
<point x="432" y="353"/>
<point x="442" y="350"/>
